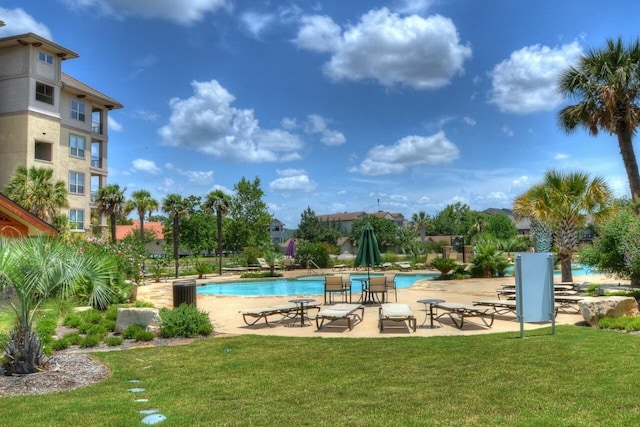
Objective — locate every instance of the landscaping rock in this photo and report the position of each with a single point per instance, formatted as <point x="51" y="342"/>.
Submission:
<point x="594" y="309"/>
<point x="149" y="318"/>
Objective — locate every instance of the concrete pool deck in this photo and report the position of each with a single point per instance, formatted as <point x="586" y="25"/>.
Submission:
<point x="224" y="311"/>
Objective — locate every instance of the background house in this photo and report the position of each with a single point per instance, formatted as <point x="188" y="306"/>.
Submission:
<point x="15" y="221"/>
<point x="155" y="246"/>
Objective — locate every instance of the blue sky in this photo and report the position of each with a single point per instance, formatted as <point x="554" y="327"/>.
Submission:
<point x="403" y="106"/>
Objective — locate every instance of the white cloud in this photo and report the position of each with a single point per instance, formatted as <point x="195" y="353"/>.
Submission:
<point x="114" y="126"/>
<point x="148" y="166"/>
<point x="289" y="123"/>
<point x="422" y="53"/>
<point x="318" y="125"/>
<point x="292" y="180"/>
<point x="207" y="122"/>
<point x="527" y="81"/>
<point x="469" y="121"/>
<point x="256" y="23"/>
<point x="194" y="177"/>
<point x="407" y="152"/>
<point x="521" y="182"/>
<point x="17" y="21"/>
<point x="146" y="115"/>
<point x="507" y="130"/>
<point x="183" y="12"/>
<point x="561" y="156"/>
<point x="414" y="6"/>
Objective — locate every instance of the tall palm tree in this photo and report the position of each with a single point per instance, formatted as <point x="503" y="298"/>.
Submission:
<point x="110" y="201"/>
<point x="142" y="202"/>
<point x="421" y="221"/>
<point x="35" y="191"/>
<point x="564" y="201"/>
<point x="175" y="206"/>
<point x="606" y="84"/>
<point x="219" y="202"/>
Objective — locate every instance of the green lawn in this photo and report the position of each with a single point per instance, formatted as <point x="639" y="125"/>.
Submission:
<point x="579" y="377"/>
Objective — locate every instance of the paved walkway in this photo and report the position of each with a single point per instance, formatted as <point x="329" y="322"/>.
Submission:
<point x="224" y="310"/>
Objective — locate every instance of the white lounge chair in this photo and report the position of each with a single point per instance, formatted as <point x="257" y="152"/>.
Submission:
<point x="342" y="311"/>
<point x="396" y="313"/>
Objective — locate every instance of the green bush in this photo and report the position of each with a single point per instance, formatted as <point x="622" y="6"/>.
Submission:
<point x="113" y="341"/>
<point x="97" y="330"/>
<point x="130" y="332"/>
<point x="60" y="344"/>
<point x="90" y="341"/>
<point x="72" y="320"/>
<point x="73" y="338"/>
<point x="92" y="316"/>
<point x="46" y="327"/>
<point x="627" y="323"/>
<point x="144" y="335"/>
<point x="184" y="321"/>
<point x="109" y="325"/>
<point x="111" y="313"/>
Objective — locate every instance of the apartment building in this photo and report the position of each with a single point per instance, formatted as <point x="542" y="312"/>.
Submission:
<point x="48" y="118"/>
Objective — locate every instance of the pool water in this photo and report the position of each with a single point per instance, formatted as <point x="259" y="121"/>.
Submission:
<point x="312" y="285"/>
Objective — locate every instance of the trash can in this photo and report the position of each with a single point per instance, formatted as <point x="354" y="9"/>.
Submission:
<point x="184" y="292"/>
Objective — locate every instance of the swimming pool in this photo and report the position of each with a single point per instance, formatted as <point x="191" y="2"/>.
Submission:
<point x="313" y="285"/>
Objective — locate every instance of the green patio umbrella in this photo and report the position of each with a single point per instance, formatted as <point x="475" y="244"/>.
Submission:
<point x="368" y="252"/>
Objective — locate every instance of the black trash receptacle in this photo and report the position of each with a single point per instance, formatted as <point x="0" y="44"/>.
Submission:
<point x="184" y="292"/>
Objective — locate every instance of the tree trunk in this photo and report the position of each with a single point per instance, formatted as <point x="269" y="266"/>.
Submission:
<point x="176" y="256"/>
<point x="565" y="265"/>
<point x="219" y="224"/>
<point x="630" y="164"/>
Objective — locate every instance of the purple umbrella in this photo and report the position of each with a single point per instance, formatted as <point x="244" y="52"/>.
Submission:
<point x="291" y="248"/>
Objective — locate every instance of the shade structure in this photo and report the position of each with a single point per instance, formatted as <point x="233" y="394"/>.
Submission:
<point x="368" y="252"/>
<point x="291" y="248"/>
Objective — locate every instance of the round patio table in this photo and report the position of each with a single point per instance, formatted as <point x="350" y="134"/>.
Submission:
<point x="302" y="304"/>
<point x="430" y="311"/>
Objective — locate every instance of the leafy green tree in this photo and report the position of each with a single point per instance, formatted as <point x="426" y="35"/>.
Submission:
<point x="249" y="214"/>
<point x="542" y="236"/>
<point x="176" y="207"/>
<point x="455" y="220"/>
<point x="219" y="203"/>
<point x="500" y="226"/>
<point x="386" y="231"/>
<point x="142" y="202"/>
<point x="616" y="250"/>
<point x="197" y="232"/>
<point x="35" y="190"/>
<point x="606" y="85"/>
<point x="316" y="252"/>
<point x="311" y="229"/>
<point x="39" y="269"/>
<point x="111" y="201"/>
<point x="420" y="222"/>
<point x="564" y="201"/>
<point x="488" y="260"/>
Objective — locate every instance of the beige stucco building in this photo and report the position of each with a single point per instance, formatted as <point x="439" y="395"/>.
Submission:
<point x="48" y="118"/>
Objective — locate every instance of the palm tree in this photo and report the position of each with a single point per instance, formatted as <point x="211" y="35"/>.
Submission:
<point x="34" y="190"/>
<point x="39" y="269"/>
<point x="218" y="202"/>
<point x="606" y="84"/>
<point x="564" y="202"/>
<point x="110" y="201"/>
<point x="421" y="221"/>
<point x="142" y="202"/>
<point x="175" y="206"/>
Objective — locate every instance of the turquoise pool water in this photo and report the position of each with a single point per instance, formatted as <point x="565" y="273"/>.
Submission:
<point x="313" y="285"/>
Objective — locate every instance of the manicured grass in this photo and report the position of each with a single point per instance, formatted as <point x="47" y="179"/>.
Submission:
<point x="579" y="377"/>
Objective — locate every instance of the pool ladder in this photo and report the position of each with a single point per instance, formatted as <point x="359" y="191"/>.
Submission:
<point x="316" y="269"/>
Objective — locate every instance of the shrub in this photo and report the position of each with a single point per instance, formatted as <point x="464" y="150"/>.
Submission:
<point x="111" y="313"/>
<point x="92" y="316"/>
<point x="97" y="330"/>
<point x="627" y="323"/>
<point x="131" y="331"/>
<point x="144" y="335"/>
<point x="60" y="344"/>
<point x="72" y="338"/>
<point x="184" y="321"/>
<point x="109" y="325"/>
<point x="72" y="321"/>
<point x="90" y="341"/>
<point x="113" y="341"/>
<point x="444" y="266"/>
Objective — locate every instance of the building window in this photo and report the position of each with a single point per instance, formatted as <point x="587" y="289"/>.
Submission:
<point x="76" y="219"/>
<point x="77" y="110"/>
<point x="43" y="151"/>
<point x="76" y="145"/>
<point x="44" y="93"/>
<point x="76" y="183"/>
<point x="45" y="57"/>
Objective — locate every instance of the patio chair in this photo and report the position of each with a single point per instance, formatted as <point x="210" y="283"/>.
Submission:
<point x="404" y="266"/>
<point x="338" y="312"/>
<point x="391" y="286"/>
<point x="251" y="316"/>
<point x="377" y="289"/>
<point x="336" y="285"/>
<point x="396" y="313"/>
<point x="458" y="312"/>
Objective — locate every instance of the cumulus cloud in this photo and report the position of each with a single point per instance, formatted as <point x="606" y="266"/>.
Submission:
<point x="207" y="122"/>
<point x="184" y="12"/>
<point x="146" y="115"/>
<point x="414" y="6"/>
<point x="194" y="177"/>
<point x="561" y="156"/>
<point x="292" y="180"/>
<point x="114" y="126"/>
<point x="317" y="124"/>
<point x="527" y="81"/>
<point x="148" y="166"/>
<point x="422" y="53"/>
<point x="407" y="152"/>
<point x="469" y="121"/>
<point x="521" y="182"/>
<point x="17" y="21"/>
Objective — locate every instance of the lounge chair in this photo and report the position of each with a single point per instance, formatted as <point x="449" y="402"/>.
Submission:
<point x="252" y="316"/>
<point x="340" y="312"/>
<point x="396" y="313"/>
<point x="568" y="303"/>
<point x="404" y="266"/>
<point x="264" y="265"/>
<point x="458" y="312"/>
<point x="336" y="285"/>
<point x="499" y="306"/>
